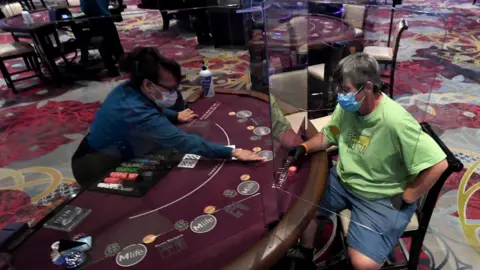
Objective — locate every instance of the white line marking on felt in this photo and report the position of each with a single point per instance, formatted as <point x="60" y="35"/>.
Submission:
<point x="242" y="200"/>
<point x="191" y="192"/>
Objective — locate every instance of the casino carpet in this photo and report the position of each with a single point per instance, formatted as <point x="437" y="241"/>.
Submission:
<point x="42" y="126"/>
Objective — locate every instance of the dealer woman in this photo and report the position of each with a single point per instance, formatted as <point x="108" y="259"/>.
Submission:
<point x="135" y="120"/>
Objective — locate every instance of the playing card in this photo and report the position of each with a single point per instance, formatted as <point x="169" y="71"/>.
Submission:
<point x="189" y="161"/>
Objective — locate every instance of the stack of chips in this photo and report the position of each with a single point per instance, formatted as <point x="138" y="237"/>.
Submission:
<point x="134" y="170"/>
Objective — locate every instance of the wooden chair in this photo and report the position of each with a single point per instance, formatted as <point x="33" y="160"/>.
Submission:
<point x="355" y="15"/>
<point x="417" y="228"/>
<point x="388" y="55"/>
<point x="19" y="50"/>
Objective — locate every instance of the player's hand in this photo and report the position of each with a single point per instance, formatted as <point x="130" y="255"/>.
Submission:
<point x="246" y="155"/>
<point x="296" y="152"/>
<point x="186" y="116"/>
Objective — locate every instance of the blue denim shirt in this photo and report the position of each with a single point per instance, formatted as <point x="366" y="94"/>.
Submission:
<point x="129" y="124"/>
<point x="95" y="8"/>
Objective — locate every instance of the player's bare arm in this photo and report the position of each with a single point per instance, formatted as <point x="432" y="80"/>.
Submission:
<point x="424" y="182"/>
<point x="317" y="143"/>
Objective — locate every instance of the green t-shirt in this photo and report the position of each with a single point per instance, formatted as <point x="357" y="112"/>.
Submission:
<point x="279" y="122"/>
<point x="380" y="153"/>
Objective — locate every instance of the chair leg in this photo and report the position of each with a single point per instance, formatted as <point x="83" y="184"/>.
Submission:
<point x="36" y="66"/>
<point x="166" y="20"/>
<point x="7" y="77"/>
<point x="28" y="64"/>
<point x="392" y="80"/>
<point x="415" y="249"/>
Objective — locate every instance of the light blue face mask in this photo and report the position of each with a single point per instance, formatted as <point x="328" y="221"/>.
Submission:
<point x="348" y="102"/>
<point x="168" y="98"/>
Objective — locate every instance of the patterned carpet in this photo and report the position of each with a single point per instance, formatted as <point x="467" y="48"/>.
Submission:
<point x="437" y="80"/>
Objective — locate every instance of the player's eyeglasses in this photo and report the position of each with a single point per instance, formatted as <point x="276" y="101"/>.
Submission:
<point x="341" y="89"/>
<point x="167" y="88"/>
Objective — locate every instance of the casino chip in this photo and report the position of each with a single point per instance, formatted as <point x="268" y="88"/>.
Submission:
<point x="181" y="225"/>
<point x="292" y="170"/>
<point x="266" y="154"/>
<point x="149" y="238"/>
<point x="250" y="127"/>
<point x="231" y="113"/>
<point x="261" y="131"/>
<point x="209" y="209"/>
<point x="257" y="149"/>
<point x="229" y="193"/>
<point x="245" y="177"/>
<point x="244" y="114"/>
<point x="112" y="249"/>
<point x="255" y="138"/>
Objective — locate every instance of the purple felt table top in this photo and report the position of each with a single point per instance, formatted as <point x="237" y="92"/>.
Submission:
<point x="322" y="29"/>
<point x="181" y="198"/>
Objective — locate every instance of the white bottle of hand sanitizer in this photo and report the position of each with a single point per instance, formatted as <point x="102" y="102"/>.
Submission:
<point x="206" y="81"/>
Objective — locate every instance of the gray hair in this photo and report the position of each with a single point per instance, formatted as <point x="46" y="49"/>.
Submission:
<point x="358" y="68"/>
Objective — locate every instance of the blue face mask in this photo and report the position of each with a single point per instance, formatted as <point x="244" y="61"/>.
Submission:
<point x="168" y="98"/>
<point x="348" y="102"/>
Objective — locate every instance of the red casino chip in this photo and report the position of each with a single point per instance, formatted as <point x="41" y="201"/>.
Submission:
<point x="292" y="170"/>
<point x="132" y="176"/>
<point x="112" y="180"/>
<point x="119" y="175"/>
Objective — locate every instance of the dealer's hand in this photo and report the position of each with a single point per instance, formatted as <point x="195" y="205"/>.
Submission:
<point x="246" y="155"/>
<point x="296" y="152"/>
<point x="186" y="116"/>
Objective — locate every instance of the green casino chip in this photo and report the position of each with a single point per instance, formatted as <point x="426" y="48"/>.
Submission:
<point x="255" y="138"/>
<point x="112" y="249"/>
<point x="230" y="193"/>
<point x="127" y="170"/>
<point x="181" y="225"/>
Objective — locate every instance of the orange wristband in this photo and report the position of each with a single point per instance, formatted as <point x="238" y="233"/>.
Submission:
<point x="306" y="147"/>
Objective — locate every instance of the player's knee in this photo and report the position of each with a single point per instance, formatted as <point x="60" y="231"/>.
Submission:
<point x="361" y="262"/>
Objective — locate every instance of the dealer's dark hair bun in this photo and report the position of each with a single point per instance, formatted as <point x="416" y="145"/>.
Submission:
<point x="144" y="62"/>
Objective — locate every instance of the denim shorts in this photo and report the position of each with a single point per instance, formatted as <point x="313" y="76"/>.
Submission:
<point x="375" y="226"/>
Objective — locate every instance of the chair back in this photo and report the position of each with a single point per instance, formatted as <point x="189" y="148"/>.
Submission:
<point x="401" y="27"/>
<point x="12" y="9"/>
<point x="354" y="15"/>
<point x="298" y="29"/>
<point x="426" y="204"/>
<point x="291" y="87"/>
<point x="73" y="3"/>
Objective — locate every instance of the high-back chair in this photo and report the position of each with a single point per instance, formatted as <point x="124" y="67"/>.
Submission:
<point x="298" y="35"/>
<point x="355" y="15"/>
<point x="11" y="9"/>
<point x="16" y="50"/>
<point x="417" y="228"/>
<point x="388" y="55"/>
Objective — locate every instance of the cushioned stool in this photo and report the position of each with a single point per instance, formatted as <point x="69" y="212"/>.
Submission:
<point x="16" y="50"/>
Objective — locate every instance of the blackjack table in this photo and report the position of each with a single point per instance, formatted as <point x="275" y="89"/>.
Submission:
<point x="214" y="214"/>
<point x="320" y="30"/>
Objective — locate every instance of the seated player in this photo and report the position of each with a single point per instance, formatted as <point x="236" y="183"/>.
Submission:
<point x="134" y="120"/>
<point x="385" y="164"/>
<point x="101" y="24"/>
